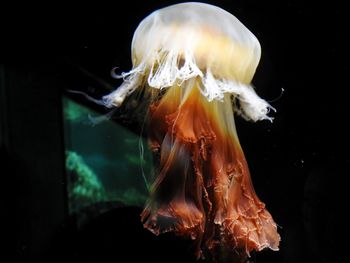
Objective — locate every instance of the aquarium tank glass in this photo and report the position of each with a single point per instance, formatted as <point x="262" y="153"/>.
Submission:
<point x="107" y="165"/>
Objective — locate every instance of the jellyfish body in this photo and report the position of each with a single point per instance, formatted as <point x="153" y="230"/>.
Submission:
<point x="195" y="62"/>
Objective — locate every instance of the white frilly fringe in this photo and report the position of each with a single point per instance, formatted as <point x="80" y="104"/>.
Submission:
<point x="165" y="72"/>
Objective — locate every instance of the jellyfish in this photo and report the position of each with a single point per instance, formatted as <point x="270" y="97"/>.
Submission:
<point x="194" y="63"/>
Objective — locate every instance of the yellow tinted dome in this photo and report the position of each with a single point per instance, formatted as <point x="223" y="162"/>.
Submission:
<point x="216" y="39"/>
<point x="195" y="42"/>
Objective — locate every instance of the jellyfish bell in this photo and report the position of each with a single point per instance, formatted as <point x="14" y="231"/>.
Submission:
<point x="193" y="30"/>
<point x="196" y="62"/>
<point x="187" y="40"/>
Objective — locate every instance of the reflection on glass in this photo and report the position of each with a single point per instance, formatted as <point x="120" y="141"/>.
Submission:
<point x="104" y="166"/>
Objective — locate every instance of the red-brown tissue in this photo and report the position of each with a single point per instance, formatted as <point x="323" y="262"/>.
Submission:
<point x="203" y="188"/>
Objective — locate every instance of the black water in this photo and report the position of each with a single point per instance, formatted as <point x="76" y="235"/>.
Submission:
<point x="299" y="163"/>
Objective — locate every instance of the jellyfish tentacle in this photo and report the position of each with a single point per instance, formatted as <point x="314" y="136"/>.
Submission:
<point x="214" y="193"/>
<point x="132" y="80"/>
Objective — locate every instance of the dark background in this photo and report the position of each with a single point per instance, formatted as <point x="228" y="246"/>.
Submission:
<point x="299" y="163"/>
